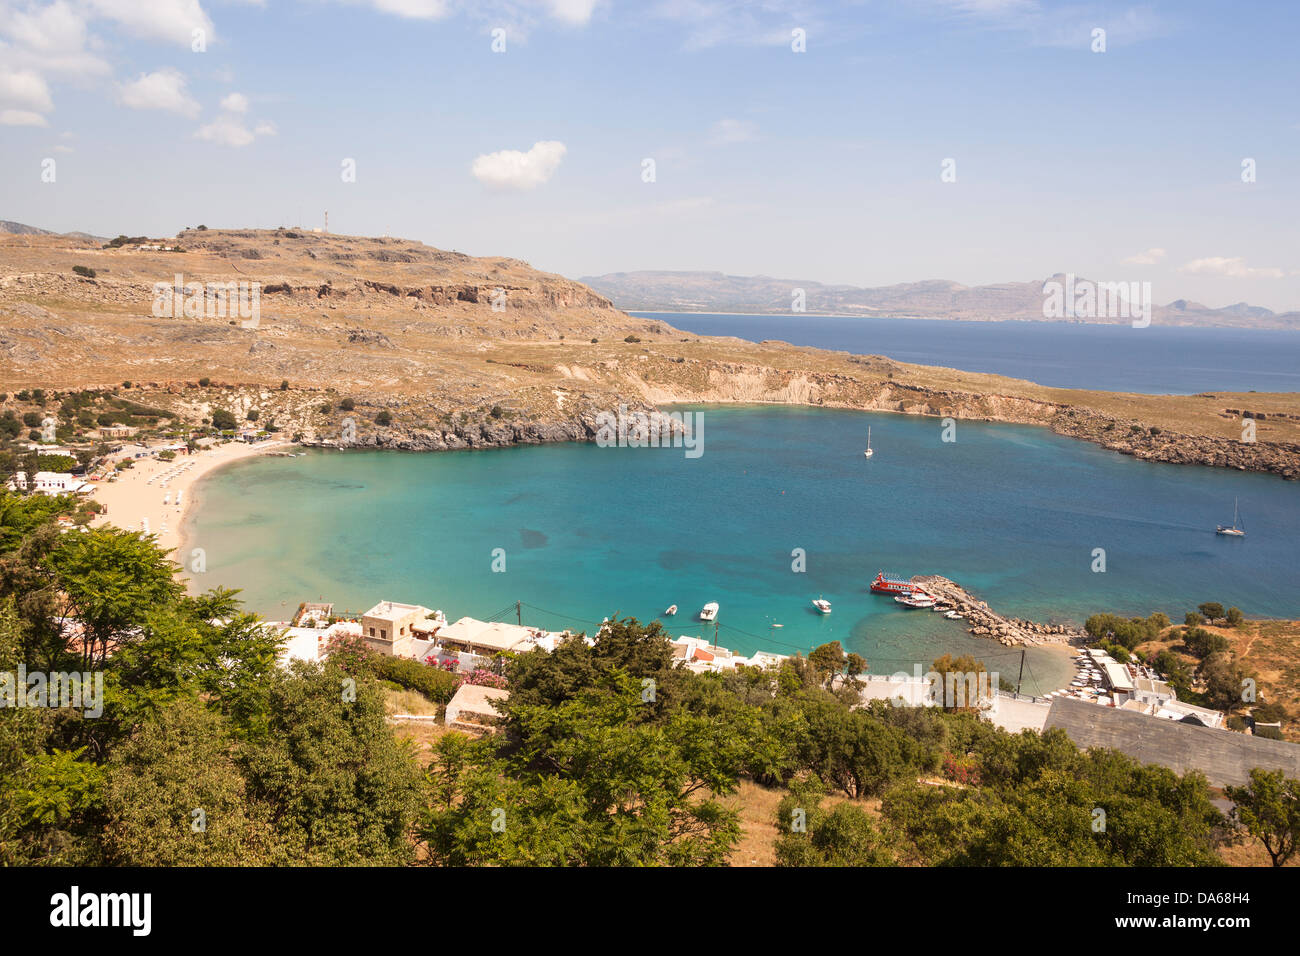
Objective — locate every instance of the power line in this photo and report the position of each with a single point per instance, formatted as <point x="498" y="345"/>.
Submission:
<point x="758" y="637"/>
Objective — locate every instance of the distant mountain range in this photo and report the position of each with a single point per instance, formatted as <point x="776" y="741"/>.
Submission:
<point x="22" y="229"/>
<point x="933" y="299"/>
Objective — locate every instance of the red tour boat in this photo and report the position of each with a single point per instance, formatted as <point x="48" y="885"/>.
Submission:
<point x="892" y="584"/>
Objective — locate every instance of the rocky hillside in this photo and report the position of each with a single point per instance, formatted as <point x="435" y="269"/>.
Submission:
<point x="435" y="349"/>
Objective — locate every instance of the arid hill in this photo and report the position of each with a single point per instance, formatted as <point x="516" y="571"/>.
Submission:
<point x="463" y="351"/>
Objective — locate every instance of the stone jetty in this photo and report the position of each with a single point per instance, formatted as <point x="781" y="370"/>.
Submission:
<point x="983" y="621"/>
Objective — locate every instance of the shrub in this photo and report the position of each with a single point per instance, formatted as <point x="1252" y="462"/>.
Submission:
<point x="632" y="338"/>
<point x="284" y="385"/>
<point x="435" y="684"/>
<point x="253" y="414"/>
<point x="1202" y="643"/>
<point x="223" y="421"/>
<point x="326" y="408"/>
<point x="86" y="271"/>
<point x="205" y="382"/>
<point x="383" y="418"/>
<point x="1234" y="617"/>
<point x="347" y="404"/>
<point x="594" y="341"/>
<point x="496" y="411"/>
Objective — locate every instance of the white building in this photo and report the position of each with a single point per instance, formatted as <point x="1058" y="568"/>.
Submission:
<point x="52" y="483"/>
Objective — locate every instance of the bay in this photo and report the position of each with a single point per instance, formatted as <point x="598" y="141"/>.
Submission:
<point x="1015" y="513"/>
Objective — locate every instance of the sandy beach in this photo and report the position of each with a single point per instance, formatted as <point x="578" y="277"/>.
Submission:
<point x="156" y="496"/>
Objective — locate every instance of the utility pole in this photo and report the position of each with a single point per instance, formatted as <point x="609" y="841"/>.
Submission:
<point x="1022" y="670"/>
<point x="519" y="614"/>
<point x="715" y="635"/>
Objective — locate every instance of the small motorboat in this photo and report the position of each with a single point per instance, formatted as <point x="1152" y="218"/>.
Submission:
<point x="952" y="616"/>
<point x="915" y="599"/>
<point x="709" y="612"/>
<point x="822" y="605"/>
<point x="672" y="609"/>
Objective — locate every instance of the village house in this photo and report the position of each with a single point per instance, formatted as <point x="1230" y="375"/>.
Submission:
<point x="116" y="431"/>
<point x="51" y="483"/>
<point x="401" y="630"/>
<point x="471" y="643"/>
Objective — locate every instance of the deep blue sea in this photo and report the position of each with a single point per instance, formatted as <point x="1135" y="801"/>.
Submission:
<point x="1157" y="360"/>
<point x="1012" y="512"/>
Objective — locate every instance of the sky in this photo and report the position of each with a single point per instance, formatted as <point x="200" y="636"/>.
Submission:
<point x="865" y="143"/>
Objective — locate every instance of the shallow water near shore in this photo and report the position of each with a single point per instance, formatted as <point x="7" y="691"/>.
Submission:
<point x="1013" y="513"/>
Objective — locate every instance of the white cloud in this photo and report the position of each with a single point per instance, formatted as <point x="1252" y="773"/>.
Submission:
<point x="171" y="20"/>
<point x="63" y="149"/>
<point x="727" y="131"/>
<point x="25" y="89"/>
<point x="572" y="11"/>
<point x="162" y="90"/>
<point x="511" y="169"/>
<point x="235" y="103"/>
<point x="711" y="23"/>
<point x="51" y="40"/>
<point x="413" y="9"/>
<point x="225" y="131"/>
<point x="21" y="118"/>
<point x="1148" y="258"/>
<point x="228" y="129"/>
<point x="1231" y="268"/>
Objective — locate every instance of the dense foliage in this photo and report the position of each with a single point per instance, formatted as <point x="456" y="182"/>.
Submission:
<point x="209" y="751"/>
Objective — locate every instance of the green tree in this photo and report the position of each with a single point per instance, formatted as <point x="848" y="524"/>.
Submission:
<point x="827" y="661"/>
<point x="1269" y="809"/>
<point x="111" y="580"/>
<point x="339" y="786"/>
<point x="174" y="796"/>
<point x="1212" y="610"/>
<point x="1225" y="678"/>
<point x="813" y="836"/>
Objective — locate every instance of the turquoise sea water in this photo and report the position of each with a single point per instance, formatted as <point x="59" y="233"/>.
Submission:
<point x="1013" y="513"/>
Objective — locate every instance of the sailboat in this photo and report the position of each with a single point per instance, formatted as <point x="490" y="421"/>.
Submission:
<point x="868" y="453"/>
<point x="1234" y="530"/>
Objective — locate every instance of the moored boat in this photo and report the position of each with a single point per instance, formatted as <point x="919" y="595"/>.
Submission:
<point x="822" y="605"/>
<point x="891" y="584"/>
<point x="709" y="611"/>
<point x="672" y="609"/>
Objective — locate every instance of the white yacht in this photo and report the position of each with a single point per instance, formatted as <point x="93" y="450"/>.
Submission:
<point x="822" y="605"/>
<point x="709" y="611"/>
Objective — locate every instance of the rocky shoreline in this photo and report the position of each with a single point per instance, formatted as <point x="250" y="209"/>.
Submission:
<point x="983" y="621"/>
